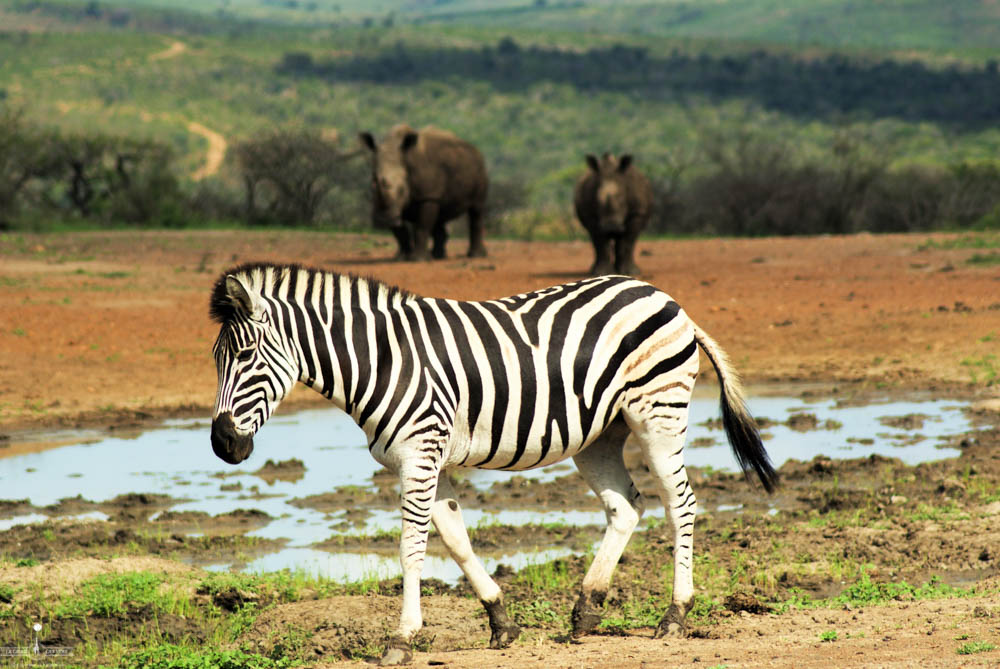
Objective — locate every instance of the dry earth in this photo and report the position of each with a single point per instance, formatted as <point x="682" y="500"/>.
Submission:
<point x="97" y="325"/>
<point x="111" y="330"/>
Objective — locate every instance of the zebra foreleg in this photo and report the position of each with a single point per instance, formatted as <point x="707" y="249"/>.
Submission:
<point x="602" y="466"/>
<point x="447" y="517"/>
<point x="418" y="486"/>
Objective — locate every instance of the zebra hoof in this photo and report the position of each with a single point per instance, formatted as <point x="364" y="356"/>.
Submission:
<point x="396" y="653"/>
<point x="671" y="625"/>
<point x="584" y="620"/>
<point x="501" y="638"/>
<point x="669" y="631"/>
<point x="503" y="630"/>
<point x="584" y="623"/>
<point x="586" y="614"/>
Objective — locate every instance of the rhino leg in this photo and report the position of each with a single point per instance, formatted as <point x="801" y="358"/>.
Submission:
<point x="625" y="256"/>
<point x="422" y="230"/>
<point x="476" y="247"/>
<point x="602" y="254"/>
<point x="625" y="247"/>
<point x="405" y="241"/>
<point x="440" y="236"/>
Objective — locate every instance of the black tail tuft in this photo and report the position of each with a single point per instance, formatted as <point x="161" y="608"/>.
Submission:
<point x="744" y="437"/>
<point x="741" y="428"/>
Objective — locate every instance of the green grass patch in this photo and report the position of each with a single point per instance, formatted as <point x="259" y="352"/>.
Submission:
<point x="535" y="613"/>
<point x="170" y="656"/>
<point x="546" y="577"/>
<point x="7" y="593"/>
<point x="864" y="591"/>
<point x="635" y="614"/>
<point x="110" y="595"/>
<point x="939" y="514"/>
<point x="103" y="275"/>
<point x="974" y="647"/>
<point x="280" y="586"/>
<point x="983" y="370"/>
<point x="984" y="259"/>
<point x="985" y="240"/>
<point x="796" y="600"/>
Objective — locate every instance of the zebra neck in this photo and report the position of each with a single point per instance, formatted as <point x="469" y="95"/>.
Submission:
<point x="351" y="335"/>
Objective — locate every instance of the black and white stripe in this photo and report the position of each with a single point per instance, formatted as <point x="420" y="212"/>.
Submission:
<point x="513" y="383"/>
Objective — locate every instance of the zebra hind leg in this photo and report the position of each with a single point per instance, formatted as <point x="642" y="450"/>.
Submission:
<point x="447" y="517"/>
<point x="660" y="428"/>
<point x="602" y="466"/>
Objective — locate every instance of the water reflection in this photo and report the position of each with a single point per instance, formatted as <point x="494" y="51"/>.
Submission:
<point x="353" y="567"/>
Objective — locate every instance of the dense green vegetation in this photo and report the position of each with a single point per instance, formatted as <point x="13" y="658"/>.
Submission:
<point x="741" y="132"/>
<point x="970" y="25"/>
<point x="967" y="27"/>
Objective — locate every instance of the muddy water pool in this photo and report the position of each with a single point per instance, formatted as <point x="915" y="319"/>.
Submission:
<point x="176" y="459"/>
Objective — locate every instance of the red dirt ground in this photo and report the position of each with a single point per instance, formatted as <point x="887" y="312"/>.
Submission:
<point x="94" y="326"/>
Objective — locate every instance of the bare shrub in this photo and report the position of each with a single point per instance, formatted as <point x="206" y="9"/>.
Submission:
<point x="288" y="173"/>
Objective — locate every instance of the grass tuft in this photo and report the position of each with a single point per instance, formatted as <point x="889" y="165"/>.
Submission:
<point x="170" y="656"/>
<point x="974" y="647"/>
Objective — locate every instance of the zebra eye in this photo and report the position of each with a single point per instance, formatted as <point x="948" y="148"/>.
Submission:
<point x="244" y="355"/>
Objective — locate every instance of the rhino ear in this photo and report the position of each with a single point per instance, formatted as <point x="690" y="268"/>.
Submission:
<point x="592" y="162"/>
<point x="409" y="141"/>
<point x="624" y="162"/>
<point x="242" y="298"/>
<point x="368" y="140"/>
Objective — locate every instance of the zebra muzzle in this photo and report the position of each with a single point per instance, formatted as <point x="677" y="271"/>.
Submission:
<point x="232" y="447"/>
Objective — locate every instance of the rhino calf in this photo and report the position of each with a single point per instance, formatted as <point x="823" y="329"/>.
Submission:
<point x="613" y="201"/>
<point x="420" y="181"/>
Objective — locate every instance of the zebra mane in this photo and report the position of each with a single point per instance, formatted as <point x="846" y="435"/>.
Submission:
<point x="255" y="274"/>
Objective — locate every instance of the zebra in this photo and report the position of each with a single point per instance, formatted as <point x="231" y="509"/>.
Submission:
<point x="570" y="371"/>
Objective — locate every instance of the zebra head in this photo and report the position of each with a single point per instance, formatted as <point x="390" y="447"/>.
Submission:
<point x="256" y="368"/>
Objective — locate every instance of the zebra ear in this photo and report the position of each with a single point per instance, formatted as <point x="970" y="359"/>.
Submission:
<point x="241" y="298"/>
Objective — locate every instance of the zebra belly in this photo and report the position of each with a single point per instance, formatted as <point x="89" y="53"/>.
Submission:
<point x="546" y="440"/>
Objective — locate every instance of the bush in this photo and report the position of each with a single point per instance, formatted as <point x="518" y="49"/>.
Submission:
<point x="974" y="195"/>
<point x="757" y="185"/>
<point x="93" y="176"/>
<point x="27" y="156"/>
<point x="908" y="199"/>
<point x="505" y="197"/>
<point x="289" y="176"/>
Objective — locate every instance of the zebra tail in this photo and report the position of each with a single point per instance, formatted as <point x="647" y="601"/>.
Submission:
<point x="741" y="428"/>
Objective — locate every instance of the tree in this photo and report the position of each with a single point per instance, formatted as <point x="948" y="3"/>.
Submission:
<point x="288" y="173"/>
<point x="26" y="154"/>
